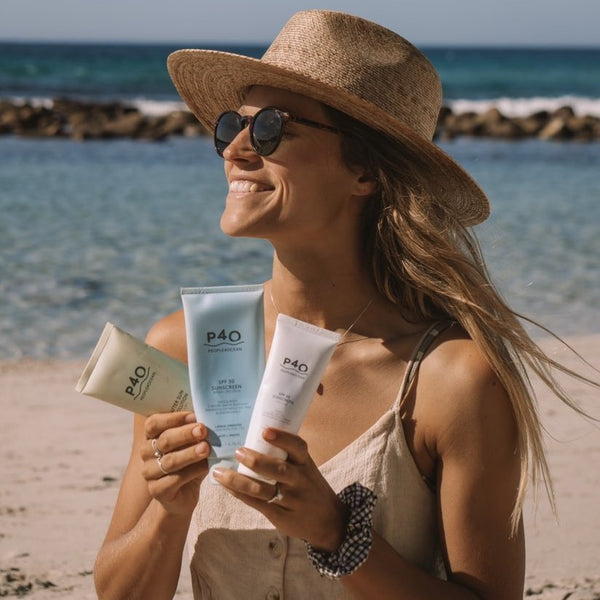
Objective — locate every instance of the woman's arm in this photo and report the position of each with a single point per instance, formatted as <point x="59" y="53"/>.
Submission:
<point x="141" y="554"/>
<point x="469" y="428"/>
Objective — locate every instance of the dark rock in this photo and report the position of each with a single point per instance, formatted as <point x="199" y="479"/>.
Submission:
<point x="445" y="112"/>
<point x="9" y="118"/>
<point x="493" y="123"/>
<point x="533" y="124"/>
<point x="556" y="129"/>
<point x="84" y="128"/>
<point x="193" y="130"/>
<point x="128" y="125"/>
<point x="461" y="124"/>
<point x="176" y="122"/>
<point x="582" y="128"/>
<point x="541" y="115"/>
<point x="564" y="112"/>
<point x="507" y="130"/>
<point x="492" y="115"/>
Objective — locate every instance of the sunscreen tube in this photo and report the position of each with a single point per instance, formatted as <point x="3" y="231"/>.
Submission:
<point x="226" y="358"/>
<point x="133" y="375"/>
<point x="299" y="355"/>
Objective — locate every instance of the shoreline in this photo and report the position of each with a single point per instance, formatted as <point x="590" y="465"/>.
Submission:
<point x="84" y="120"/>
<point x="64" y="454"/>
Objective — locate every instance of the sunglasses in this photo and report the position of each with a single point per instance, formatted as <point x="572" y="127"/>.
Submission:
<point x="265" y="128"/>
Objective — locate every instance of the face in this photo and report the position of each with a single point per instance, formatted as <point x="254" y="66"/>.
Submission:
<point x="302" y="191"/>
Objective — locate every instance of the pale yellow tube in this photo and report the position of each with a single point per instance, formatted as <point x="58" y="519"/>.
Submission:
<point x="129" y="373"/>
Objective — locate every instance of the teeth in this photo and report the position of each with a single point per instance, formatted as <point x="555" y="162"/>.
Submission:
<point x="246" y="186"/>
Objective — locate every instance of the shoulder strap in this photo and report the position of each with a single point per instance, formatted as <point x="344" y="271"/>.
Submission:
<point x="421" y="349"/>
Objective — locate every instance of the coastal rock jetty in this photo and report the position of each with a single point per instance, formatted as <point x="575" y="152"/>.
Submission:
<point x="94" y="120"/>
<point x="562" y="124"/>
<point x="91" y="120"/>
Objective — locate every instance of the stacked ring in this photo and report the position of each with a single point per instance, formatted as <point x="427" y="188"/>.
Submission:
<point x="158" y="454"/>
<point x="155" y="448"/>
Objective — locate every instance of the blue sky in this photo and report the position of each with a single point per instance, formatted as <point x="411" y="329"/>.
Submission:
<point x="427" y="22"/>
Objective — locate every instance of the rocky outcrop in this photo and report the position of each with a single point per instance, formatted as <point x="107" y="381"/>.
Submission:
<point x="562" y="124"/>
<point x="84" y="121"/>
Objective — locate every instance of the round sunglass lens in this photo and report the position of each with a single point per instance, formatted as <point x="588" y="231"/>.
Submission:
<point x="266" y="131"/>
<point x="228" y="126"/>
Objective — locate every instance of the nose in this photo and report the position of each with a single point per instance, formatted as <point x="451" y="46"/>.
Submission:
<point x="240" y="149"/>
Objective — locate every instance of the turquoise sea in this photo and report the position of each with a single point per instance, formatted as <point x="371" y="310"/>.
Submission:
<point x="110" y="230"/>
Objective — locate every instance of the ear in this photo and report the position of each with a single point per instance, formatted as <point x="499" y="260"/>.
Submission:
<point x="365" y="185"/>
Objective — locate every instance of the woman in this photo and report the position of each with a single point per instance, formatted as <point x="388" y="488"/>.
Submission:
<point x="408" y="475"/>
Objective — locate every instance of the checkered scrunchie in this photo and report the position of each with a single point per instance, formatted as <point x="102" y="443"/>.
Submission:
<point x="355" y="548"/>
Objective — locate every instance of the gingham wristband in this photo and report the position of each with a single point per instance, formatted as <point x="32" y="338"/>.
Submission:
<point x="355" y="548"/>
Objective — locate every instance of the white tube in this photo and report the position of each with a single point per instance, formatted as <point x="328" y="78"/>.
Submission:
<point x="299" y="355"/>
<point x="226" y="356"/>
<point x="133" y="375"/>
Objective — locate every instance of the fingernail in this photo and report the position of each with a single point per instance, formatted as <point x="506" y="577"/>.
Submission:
<point x="191" y="418"/>
<point x="240" y="453"/>
<point x="269" y="435"/>
<point x="198" y="431"/>
<point x="217" y="472"/>
<point x="202" y="449"/>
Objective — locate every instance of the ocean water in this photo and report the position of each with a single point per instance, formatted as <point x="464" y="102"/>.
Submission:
<point x="521" y="79"/>
<point x="110" y="230"/>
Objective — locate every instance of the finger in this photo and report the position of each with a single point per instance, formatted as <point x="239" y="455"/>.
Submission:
<point x="175" y="462"/>
<point x="159" y="422"/>
<point x="294" y="445"/>
<point x="166" y="488"/>
<point x="174" y="439"/>
<point x="252" y="491"/>
<point x="269" y="467"/>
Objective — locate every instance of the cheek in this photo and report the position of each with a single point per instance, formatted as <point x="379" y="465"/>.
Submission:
<point x="318" y="171"/>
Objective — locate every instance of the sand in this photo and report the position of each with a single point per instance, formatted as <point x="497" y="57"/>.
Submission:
<point x="63" y="455"/>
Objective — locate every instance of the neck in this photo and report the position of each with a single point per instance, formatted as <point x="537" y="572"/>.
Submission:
<point x="330" y="294"/>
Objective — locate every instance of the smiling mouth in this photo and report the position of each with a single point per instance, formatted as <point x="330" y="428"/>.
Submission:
<point x="245" y="187"/>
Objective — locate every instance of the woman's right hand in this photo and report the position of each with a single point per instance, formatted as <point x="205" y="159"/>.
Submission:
<point x="177" y="443"/>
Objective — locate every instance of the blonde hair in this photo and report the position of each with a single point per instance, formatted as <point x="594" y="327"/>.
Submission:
<point x="428" y="264"/>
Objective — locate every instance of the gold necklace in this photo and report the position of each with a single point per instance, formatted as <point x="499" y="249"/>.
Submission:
<point x="356" y="320"/>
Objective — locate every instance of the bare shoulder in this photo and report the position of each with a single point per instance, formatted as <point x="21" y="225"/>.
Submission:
<point x="458" y="361"/>
<point x="168" y="335"/>
<point x="461" y="398"/>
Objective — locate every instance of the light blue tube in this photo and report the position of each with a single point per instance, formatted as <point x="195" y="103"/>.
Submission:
<point x="226" y="359"/>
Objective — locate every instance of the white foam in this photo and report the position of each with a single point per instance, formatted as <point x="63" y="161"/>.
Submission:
<point x="523" y="107"/>
<point x="150" y="108"/>
<point x="34" y="101"/>
<point x="157" y="108"/>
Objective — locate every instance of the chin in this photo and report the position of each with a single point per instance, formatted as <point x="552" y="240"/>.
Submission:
<point x="236" y="228"/>
<point x="249" y="223"/>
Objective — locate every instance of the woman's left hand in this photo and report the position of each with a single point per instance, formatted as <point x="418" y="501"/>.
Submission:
<point x="309" y="509"/>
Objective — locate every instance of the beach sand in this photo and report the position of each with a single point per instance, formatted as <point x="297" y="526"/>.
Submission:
<point x="63" y="455"/>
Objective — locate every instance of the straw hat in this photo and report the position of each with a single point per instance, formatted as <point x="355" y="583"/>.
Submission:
<point x="353" y="65"/>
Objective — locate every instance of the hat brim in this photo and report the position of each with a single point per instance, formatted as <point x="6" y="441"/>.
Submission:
<point x="211" y="82"/>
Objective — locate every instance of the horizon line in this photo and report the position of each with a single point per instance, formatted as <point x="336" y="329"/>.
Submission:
<point x="212" y="43"/>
